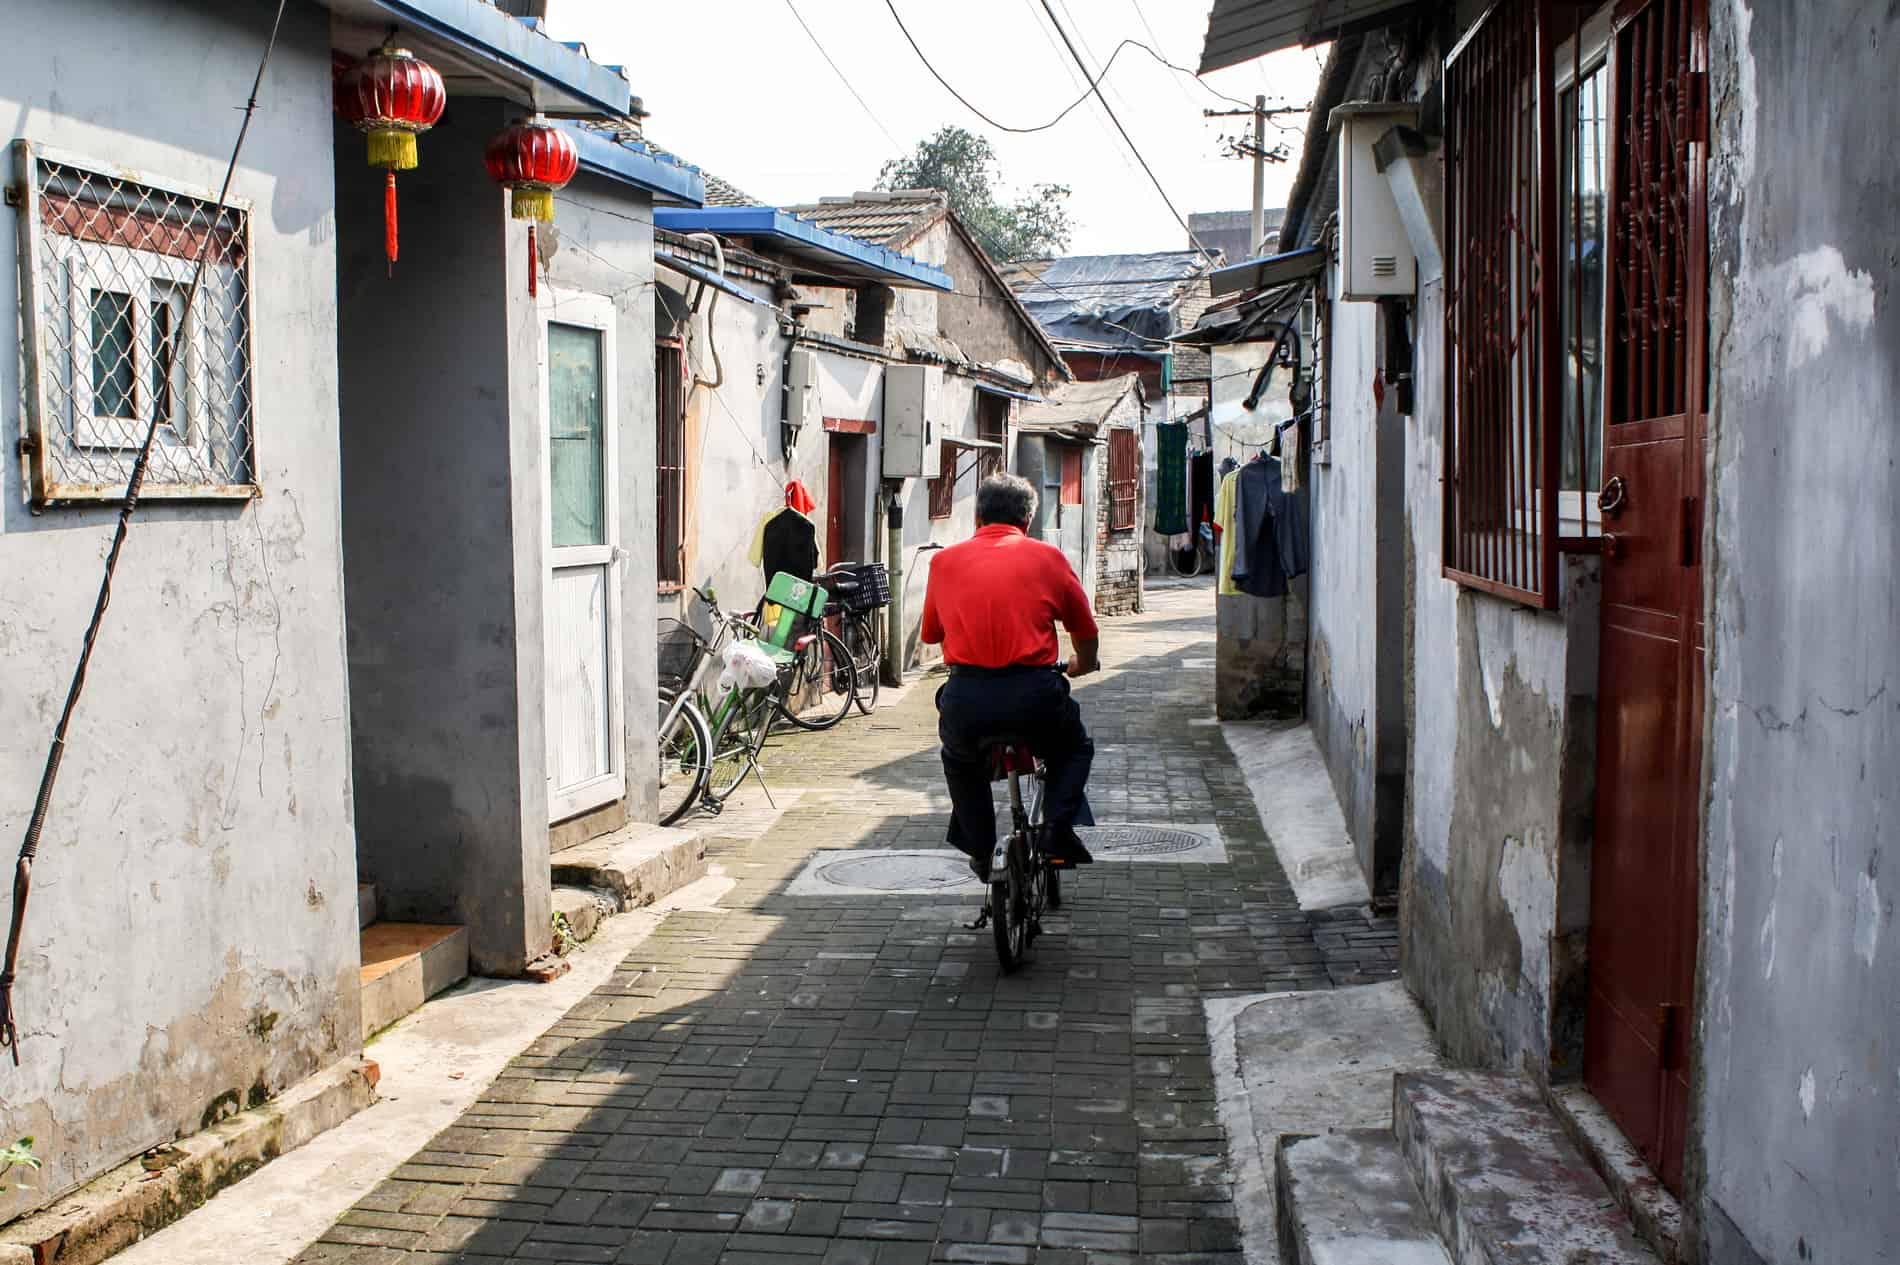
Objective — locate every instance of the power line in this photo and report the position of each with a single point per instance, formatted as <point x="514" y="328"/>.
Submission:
<point x="1092" y="81"/>
<point x="842" y="78"/>
<point x="1132" y="148"/>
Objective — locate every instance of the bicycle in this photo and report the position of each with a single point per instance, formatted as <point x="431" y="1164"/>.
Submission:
<point x="820" y="677"/>
<point x="1197" y="557"/>
<point x="707" y="748"/>
<point x="1023" y="883"/>
<point x="859" y="590"/>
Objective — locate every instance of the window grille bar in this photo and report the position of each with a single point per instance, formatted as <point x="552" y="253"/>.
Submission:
<point x="670" y="533"/>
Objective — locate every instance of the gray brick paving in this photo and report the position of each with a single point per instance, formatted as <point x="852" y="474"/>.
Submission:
<point x="849" y="1081"/>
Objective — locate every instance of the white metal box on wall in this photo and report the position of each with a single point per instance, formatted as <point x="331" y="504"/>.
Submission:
<point x="1375" y="252"/>
<point x="913" y="421"/>
<point x="801" y="387"/>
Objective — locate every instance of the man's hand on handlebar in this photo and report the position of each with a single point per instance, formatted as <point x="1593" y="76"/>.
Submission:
<point x="1086" y="659"/>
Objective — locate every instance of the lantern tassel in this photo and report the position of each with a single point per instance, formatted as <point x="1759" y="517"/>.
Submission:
<point x="534" y="260"/>
<point x="389" y="222"/>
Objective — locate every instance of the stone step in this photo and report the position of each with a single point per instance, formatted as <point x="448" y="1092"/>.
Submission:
<point x="1503" y="1182"/>
<point x="365" y="905"/>
<point x="405" y="964"/>
<point x="635" y="865"/>
<point x="1348" y="1199"/>
<point x="580" y="908"/>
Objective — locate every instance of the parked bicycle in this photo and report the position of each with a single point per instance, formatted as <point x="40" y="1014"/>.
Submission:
<point x="859" y="590"/>
<point x="1198" y="556"/>
<point x="1023" y="883"/>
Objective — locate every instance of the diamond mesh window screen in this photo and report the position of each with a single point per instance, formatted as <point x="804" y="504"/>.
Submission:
<point x="109" y="348"/>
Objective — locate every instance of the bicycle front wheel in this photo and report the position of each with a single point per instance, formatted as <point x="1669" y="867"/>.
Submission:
<point x="864" y="658"/>
<point x="815" y="692"/>
<point x="685" y="759"/>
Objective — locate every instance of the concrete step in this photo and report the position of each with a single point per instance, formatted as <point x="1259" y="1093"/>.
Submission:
<point x="1503" y="1182"/>
<point x="580" y="909"/>
<point x="635" y="865"/>
<point x="1348" y="1199"/>
<point x="405" y="964"/>
<point x="365" y="905"/>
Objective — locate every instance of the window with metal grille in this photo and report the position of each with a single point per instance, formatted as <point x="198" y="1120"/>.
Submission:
<point x="1071" y="475"/>
<point x="110" y="352"/>
<point x="1502" y="314"/>
<point x="1124" y="476"/>
<point x="943" y="488"/>
<point x="670" y="463"/>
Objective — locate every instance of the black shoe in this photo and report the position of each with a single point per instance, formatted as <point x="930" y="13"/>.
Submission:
<point x="980" y="866"/>
<point x="1063" y="847"/>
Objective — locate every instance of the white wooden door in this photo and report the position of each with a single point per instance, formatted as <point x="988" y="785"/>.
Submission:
<point x="586" y="740"/>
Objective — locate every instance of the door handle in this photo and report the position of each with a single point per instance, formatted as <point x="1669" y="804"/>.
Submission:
<point x="1614" y="496"/>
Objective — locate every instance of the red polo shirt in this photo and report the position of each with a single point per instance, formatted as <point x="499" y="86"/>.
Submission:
<point x="994" y="601"/>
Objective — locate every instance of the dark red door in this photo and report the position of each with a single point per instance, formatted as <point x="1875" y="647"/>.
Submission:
<point x="834" y="501"/>
<point x="1644" y="871"/>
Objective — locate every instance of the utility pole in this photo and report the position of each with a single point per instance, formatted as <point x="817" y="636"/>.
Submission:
<point x="1259" y="227"/>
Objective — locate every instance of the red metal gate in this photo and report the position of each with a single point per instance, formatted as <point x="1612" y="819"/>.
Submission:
<point x="1644" y="872"/>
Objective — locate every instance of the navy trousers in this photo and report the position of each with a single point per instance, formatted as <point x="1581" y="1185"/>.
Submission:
<point x="1029" y="703"/>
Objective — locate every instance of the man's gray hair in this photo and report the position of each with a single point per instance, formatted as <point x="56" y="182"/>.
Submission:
<point x="1007" y="499"/>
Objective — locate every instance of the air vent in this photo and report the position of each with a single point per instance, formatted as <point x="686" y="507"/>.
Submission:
<point x="1385" y="266"/>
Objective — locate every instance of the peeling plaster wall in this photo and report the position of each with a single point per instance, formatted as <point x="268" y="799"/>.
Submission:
<point x="191" y="938"/>
<point x="1796" y="1137"/>
<point x="1495" y="876"/>
<point x="1353" y="690"/>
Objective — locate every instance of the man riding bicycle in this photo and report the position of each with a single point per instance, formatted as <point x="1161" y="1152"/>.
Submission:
<point x="993" y="603"/>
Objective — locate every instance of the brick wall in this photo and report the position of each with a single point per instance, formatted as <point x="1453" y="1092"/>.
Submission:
<point x="1118" y="588"/>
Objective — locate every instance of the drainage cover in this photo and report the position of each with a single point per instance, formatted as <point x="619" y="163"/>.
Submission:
<point x="897" y="872"/>
<point x="1132" y="842"/>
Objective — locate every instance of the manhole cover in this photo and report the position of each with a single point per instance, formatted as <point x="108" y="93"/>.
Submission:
<point x="897" y="872"/>
<point x="1145" y="841"/>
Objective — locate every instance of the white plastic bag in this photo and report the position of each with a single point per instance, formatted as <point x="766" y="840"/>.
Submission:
<point x="747" y="667"/>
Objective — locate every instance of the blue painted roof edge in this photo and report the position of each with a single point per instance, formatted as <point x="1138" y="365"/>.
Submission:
<point x="602" y="155"/>
<point x="770" y="221"/>
<point x="491" y="35"/>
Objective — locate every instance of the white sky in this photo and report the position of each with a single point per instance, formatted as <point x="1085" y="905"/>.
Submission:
<point x="736" y="87"/>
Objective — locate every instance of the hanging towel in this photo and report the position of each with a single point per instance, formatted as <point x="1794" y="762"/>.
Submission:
<point x="1171" y="478"/>
<point x="1290" y="455"/>
<point x="796" y="497"/>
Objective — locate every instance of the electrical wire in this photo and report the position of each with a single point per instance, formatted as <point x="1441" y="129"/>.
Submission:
<point x="1132" y="147"/>
<point x="844" y="79"/>
<point x="49" y="776"/>
<point x="1092" y="81"/>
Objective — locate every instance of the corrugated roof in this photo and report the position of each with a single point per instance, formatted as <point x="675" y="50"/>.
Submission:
<point x="889" y="217"/>
<point x="1241" y="30"/>
<point x="1076" y="407"/>
<point x="1127" y="301"/>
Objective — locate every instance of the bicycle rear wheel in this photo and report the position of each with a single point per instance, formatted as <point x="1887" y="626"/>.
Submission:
<point x="1009" y="909"/>
<point x="816" y="690"/>
<point x="685" y="759"/>
<point x="863" y="642"/>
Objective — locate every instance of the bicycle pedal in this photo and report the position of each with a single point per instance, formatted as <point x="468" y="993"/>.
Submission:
<point x="982" y="921"/>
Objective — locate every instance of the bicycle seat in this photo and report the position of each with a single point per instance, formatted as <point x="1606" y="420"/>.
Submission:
<point x="1008" y="753"/>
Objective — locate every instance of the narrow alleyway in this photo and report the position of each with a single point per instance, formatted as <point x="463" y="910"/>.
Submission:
<point x="847" y="1078"/>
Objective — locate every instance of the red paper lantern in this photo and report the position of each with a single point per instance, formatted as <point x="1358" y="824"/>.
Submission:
<point x="391" y="96"/>
<point x="532" y="158"/>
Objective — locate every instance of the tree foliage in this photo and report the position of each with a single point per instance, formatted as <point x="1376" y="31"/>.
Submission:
<point x="1031" y="225"/>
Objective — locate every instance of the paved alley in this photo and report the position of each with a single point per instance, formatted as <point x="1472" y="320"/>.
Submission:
<point x="847" y="1078"/>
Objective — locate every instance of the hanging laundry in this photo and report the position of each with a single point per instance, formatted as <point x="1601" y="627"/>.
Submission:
<point x="1271" y="544"/>
<point x="1171" y="478"/>
<point x="796" y="497"/>
<point x="1224" y="532"/>
<point x="785" y="541"/>
<point x="1290" y="432"/>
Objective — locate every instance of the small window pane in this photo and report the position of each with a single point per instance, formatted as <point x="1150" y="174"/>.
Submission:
<point x="161" y="361"/>
<point x="1583" y="138"/>
<point x="576" y="437"/>
<point x="113" y="370"/>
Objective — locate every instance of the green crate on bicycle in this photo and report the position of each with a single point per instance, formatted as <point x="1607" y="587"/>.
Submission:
<point x="799" y="605"/>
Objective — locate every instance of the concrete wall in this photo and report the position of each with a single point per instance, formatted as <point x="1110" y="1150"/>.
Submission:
<point x="1118" y="551"/>
<point x="443" y="515"/>
<point x="1797" y="1130"/>
<point x="960" y="411"/>
<point x="1500" y="708"/>
<point x="191" y="939"/>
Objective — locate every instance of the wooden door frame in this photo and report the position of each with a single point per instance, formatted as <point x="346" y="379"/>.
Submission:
<point x="586" y="311"/>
